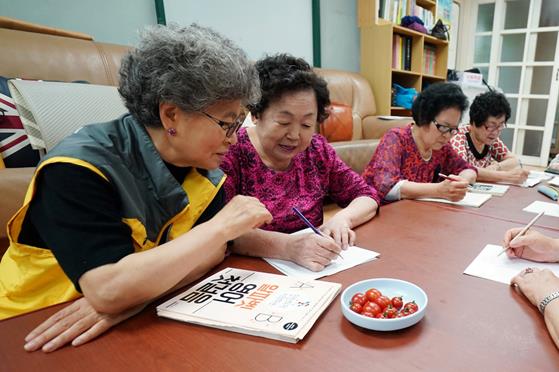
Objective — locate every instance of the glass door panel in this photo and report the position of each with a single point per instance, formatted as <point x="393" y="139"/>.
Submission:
<point x="537" y="79"/>
<point x="516" y="14"/>
<point x="485" y="16"/>
<point x="482" y="49"/>
<point x="549" y="16"/>
<point x="532" y="143"/>
<point x="509" y="79"/>
<point x="545" y="46"/>
<point x="513" y="48"/>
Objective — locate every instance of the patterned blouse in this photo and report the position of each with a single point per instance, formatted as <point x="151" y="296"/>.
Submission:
<point x="463" y="145"/>
<point x="397" y="158"/>
<point x="313" y="175"/>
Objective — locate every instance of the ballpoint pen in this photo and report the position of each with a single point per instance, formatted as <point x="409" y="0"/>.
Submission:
<point x="450" y="178"/>
<point x="309" y="224"/>
<point x="523" y="231"/>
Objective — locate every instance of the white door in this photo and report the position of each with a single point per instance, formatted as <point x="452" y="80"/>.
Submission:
<point x="516" y="49"/>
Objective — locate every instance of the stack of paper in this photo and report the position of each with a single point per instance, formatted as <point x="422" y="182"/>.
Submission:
<point x="255" y="303"/>
<point x="534" y="178"/>
<point x="488" y="188"/>
<point x="489" y="265"/>
<point x="550" y="209"/>
<point x="470" y="200"/>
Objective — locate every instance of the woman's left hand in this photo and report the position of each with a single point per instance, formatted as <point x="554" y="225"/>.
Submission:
<point x="339" y="228"/>
<point x="77" y="323"/>
<point x="535" y="284"/>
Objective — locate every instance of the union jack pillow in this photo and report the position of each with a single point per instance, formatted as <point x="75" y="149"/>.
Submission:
<point x="15" y="147"/>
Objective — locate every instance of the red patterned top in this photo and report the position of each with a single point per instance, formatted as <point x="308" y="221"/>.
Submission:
<point x="463" y="145"/>
<point x="397" y="158"/>
<point x="313" y="175"/>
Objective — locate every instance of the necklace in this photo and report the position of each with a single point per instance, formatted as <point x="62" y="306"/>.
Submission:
<point x="425" y="155"/>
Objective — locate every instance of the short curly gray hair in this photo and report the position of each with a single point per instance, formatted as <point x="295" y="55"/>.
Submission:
<point x="192" y="67"/>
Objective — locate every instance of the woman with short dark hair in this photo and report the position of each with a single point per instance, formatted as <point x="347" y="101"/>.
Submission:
<point x="285" y="164"/>
<point x="479" y="144"/>
<point x="408" y="161"/>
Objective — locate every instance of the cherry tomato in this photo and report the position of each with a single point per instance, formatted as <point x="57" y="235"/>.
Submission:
<point x="358" y="298"/>
<point x="372" y="307"/>
<point x="367" y="314"/>
<point x="390" y="312"/>
<point x="356" y="307"/>
<point x="397" y="302"/>
<point x="372" y="294"/>
<point x="379" y="316"/>
<point x="411" y="306"/>
<point x="383" y="302"/>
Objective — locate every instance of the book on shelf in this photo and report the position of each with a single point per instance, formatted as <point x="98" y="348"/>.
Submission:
<point x="255" y="303"/>
<point x="401" y="52"/>
<point x="429" y="59"/>
<point x="394" y="10"/>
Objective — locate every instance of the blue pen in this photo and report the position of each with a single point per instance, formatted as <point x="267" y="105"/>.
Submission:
<point x="309" y="224"/>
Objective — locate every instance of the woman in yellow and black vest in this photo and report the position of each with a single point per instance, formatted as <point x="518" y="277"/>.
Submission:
<point x="125" y="211"/>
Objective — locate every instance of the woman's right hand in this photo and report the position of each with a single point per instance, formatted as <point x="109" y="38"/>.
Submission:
<point x="240" y="215"/>
<point x="454" y="190"/>
<point x="532" y="246"/>
<point x="517" y="175"/>
<point x="312" y="251"/>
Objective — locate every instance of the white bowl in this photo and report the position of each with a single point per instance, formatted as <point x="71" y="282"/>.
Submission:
<point x="390" y="288"/>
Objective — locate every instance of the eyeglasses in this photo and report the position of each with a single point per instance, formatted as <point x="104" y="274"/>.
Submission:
<point x="229" y="128"/>
<point x="444" y="129"/>
<point x="495" y="128"/>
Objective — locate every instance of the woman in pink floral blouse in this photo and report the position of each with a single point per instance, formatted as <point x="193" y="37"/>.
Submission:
<point x="285" y="164"/>
<point x="408" y="161"/>
<point x="479" y="143"/>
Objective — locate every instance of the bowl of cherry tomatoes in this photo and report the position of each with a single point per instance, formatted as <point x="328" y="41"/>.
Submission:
<point x="384" y="304"/>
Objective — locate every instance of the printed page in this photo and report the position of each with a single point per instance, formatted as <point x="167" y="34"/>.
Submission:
<point x="551" y="209"/>
<point x="554" y="181"/>
<point x="353" y="256"/>
<point x="501" y="268"/>
<point x="470" y="200"/>
<point x="488" y="188"/>
<point x="263" y="304"/>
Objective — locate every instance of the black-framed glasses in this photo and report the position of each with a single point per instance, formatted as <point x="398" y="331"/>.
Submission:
<point x="495" y="128"/>
<point x="444" y="129"/>
<point x="229" y="128"/>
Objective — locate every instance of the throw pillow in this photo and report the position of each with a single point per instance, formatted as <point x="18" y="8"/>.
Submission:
<point x="339" y="124"/>
<point x="15" y="147"/>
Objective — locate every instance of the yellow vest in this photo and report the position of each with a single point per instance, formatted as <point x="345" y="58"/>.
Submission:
<point x="31" y="278"/>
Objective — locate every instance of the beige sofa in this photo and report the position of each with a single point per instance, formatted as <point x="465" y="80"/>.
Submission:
<point x="35" y="52"/>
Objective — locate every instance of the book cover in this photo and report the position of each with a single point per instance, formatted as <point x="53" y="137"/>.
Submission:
<point x="260" y="304"/>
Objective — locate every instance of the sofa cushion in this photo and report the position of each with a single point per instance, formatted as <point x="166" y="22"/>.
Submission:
<point x="339" y="124"/>
<point x="51" y="110"/>
<point x="15" y="147"/>
<point x="357" y="153"/>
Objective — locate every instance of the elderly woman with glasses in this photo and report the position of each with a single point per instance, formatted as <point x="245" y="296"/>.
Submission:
<point x="409" y="162"/>
<point x="479" y="144"/>
<point x="122" y="212"/>
<point x="285" y="164"/>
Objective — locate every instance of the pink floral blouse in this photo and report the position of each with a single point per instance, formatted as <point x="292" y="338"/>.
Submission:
<point x="397" y="158"/>
<point x="463" y="145"/>
<point x="314" y="175"/>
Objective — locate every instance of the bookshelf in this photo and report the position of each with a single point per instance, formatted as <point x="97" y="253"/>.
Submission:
<point x="378" y="64"/>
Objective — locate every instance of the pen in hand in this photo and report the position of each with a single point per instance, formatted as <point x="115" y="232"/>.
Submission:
<point x="450" y="178"/>
<point x="310" y="225"/>
<point x="523" y="231"/>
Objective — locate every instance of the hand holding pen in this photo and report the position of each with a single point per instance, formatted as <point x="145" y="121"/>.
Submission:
<point x="454" y="188"/>
<point x="313" y="228"/>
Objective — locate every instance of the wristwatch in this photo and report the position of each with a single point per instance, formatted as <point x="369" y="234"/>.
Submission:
<point x="547" y="299"/>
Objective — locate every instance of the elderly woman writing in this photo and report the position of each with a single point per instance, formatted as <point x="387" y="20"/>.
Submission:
<point x="118" y="204"/>
<point x="408" y="161"/>
<point x="284" y="163"/>
<point x="479" y="144"/>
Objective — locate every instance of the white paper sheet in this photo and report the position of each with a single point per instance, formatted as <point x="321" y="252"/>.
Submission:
<point x="501" y="268"/>
<point x="551" y="209"/>
<point x="353" y="256"/>
<point x="470" y="200"/>
<point x="534" y="178"/>
<point x="554" y="181"/>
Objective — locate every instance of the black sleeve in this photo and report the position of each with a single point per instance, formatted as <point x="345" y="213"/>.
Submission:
<point x="76" y="214"/>
<point x="215" y="206"/>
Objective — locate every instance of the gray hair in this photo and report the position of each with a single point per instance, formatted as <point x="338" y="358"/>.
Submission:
<point x="192" y="67"/>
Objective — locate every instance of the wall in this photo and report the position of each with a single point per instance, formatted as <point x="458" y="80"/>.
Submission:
<point x="339" y="34"/>
<point x="106" y="20"/>
<point x="258" y="26"/>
